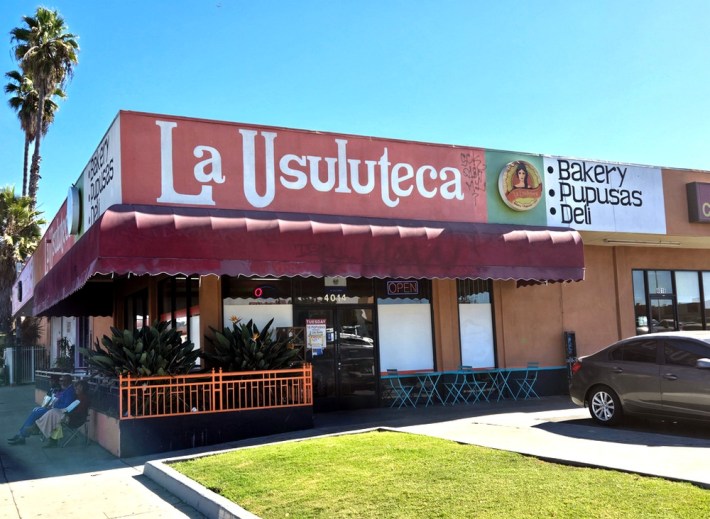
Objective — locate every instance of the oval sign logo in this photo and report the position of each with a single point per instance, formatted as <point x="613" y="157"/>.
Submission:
<point x="520" y="185"/>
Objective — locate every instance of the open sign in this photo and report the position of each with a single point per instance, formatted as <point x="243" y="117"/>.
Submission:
<point x="408" y="287"/>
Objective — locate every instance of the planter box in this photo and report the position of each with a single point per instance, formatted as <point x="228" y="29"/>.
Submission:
<point x="128" y="438"/>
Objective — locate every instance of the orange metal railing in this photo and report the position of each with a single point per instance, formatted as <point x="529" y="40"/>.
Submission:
<point x="149" y="397"/>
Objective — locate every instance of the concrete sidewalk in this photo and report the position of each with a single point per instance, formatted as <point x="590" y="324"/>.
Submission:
<point x="87" y="481"/>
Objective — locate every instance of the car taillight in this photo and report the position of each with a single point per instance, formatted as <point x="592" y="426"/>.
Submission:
<point x="576" y="366"/>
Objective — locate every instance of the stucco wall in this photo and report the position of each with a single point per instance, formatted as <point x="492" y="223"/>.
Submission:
<point x="528" y="324"/>
<point x="590" y="307"/>
<point x="531" y="321"/>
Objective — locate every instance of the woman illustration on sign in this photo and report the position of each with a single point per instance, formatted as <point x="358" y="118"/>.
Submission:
<point x="522" y="177"/>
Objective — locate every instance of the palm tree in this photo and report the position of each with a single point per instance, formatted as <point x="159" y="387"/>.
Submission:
<point x="19" y="235"/>
<point x="25" y="101"/>
<point x="47" y="53"/>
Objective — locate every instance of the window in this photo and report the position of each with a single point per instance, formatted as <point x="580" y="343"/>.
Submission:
<point x="659" y="282"/>
<point x="473" y="291"/>
<point x="476" y="322"/>
<point x="179" y="304"/>
<point x="683" y="353"/>
<point x="688" y="295"/>
<point x="135" y="310"/>
<point x="333" y="290"/>
<point x="256" y="291"/>
<point x="671" y="300"/>
<point x="638" y="351"/>
<point x="403" y="291"/>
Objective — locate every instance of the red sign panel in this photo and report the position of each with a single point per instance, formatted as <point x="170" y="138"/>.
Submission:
<point x="177" y="161"/>
<point x="56" y="240"/>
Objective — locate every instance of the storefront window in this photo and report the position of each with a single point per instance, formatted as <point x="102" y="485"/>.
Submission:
<point x="135" y="310"/>
<point x="474" y="291"/>
<point x="257" y="291"/>
<point x="405" y="324"/>
<point x="403" y="291"/>
<point x="257" y="299"/>
<point x="689" y="307"/>
<point x="179" y="304"/>
<point x="659" y="282"/>
<point x="333" y="290"/>
<point x="671" y="300"/>
<point x="476" y="322"/>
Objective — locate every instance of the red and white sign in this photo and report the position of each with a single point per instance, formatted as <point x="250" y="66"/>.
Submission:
<point x="177" y="161"/>
<point x="56" y="240"/>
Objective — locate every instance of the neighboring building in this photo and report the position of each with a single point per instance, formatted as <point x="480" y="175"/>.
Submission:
<point x="391" y="254"/>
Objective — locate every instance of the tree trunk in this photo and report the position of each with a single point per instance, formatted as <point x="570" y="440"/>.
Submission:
<point x="25" y="172"/>
<point x="36" y="158"/>
<point x="7" y="278"/>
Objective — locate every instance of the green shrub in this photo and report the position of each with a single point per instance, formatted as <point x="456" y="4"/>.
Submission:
<point x="244" y="347"/>
<point x="151" y="350"/>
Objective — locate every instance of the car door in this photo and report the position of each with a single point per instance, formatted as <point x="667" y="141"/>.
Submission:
<point x="685" y="388"/>
<point x="633" y="372"/>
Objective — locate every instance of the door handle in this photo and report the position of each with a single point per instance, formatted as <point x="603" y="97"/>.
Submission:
<point x="670" y="376"/>
<point x="617" y="370"/>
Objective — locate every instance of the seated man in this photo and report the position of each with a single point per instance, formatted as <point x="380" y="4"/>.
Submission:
<point x="50" y="424"/>
<point x="65" y="397"/>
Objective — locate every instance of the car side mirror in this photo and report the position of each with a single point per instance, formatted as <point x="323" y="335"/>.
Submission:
<point x="703" y="363"/>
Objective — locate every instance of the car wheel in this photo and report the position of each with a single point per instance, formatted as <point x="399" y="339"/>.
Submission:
<point x="605" y="406"/>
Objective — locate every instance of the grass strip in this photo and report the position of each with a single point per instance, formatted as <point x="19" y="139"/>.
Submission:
<point x="399" y="475"/>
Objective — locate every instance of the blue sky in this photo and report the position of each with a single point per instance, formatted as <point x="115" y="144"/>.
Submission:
<point x="608" y="80"/>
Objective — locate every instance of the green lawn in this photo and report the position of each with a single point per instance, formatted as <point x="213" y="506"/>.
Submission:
<point x="389" y="474"/>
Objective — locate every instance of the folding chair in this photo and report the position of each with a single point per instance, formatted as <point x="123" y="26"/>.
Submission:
<point x="401" y="393"/>
<point x="526" y="384"/>
<point x="473" y="387"/>
<point x="75" y="430"/>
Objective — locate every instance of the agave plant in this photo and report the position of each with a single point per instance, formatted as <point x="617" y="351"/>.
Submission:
<point x="244" y="347"/>
<point x="151" y="350"/>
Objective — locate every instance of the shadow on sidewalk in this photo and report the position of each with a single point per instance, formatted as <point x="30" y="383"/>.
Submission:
<point x="31" y="461"/>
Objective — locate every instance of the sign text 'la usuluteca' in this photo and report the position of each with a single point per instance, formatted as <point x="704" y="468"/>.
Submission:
<point x="296" y="170"/>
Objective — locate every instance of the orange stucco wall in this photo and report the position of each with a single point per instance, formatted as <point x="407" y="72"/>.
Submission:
<point x="531" y="321"/>
<point x="528" y="324"/>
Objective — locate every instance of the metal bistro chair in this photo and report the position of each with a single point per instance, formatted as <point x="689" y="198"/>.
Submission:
<point x="473" y="387"/>
<point x="526" y="383"/>
<point x="401" y="393"/>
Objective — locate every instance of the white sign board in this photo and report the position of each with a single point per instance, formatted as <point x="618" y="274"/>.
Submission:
<point x="101" y="178"/>
<point x="602" y="196"/>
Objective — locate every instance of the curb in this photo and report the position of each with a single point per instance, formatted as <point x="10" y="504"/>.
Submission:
<point x="198" y="497"/>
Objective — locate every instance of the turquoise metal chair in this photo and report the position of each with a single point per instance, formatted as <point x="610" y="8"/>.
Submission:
<point x="526" y="384"/>
<point x="474" y="387"/>
<point x="401" y="393"/>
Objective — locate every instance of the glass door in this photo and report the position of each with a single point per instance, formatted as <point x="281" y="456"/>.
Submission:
<point x="342" y="349"/>
<point x="663" y="314"/>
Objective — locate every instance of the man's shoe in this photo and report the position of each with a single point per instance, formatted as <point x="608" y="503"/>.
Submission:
<point x="16" y="437"/>
<point x="19" y="440"/>
<point x="52" y="443"/>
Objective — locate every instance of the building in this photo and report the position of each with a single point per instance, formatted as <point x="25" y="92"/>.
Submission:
<point x="390" y="254"/>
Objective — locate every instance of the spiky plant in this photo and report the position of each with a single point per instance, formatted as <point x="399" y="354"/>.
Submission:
<point x="244" y="347"/>
<point x="151" y="350"/>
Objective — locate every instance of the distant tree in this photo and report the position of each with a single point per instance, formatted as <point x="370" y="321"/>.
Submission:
<point x="25" y="101"/>
<point x="47" y="54"/>
<point x="19" y="235"/>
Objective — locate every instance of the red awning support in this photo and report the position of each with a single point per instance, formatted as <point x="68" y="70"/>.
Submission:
<point x="186" y="240"/>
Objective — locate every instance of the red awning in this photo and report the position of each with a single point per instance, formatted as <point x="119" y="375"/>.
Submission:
<point x="155" y="240"/>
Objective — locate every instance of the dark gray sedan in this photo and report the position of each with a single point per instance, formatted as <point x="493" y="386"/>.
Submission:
<point x="660" y="375"/>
